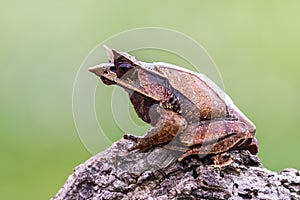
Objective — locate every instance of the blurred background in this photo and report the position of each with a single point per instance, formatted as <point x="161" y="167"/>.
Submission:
<point x="255" y="45"/>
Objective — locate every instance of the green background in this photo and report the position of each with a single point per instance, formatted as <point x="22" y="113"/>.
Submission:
<point x="255" y="44"/>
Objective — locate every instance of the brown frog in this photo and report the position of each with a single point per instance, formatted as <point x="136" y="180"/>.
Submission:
<point x="188" y="112"/>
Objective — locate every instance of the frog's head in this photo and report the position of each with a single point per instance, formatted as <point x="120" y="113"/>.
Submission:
<point x="119" y="64"/>
<point x="125" y="71"/>
<point x="132" y="75"/>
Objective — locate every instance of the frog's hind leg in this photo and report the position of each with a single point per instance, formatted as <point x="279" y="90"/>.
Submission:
<point x="216" y="148"/>
<point x="219" y="160"/>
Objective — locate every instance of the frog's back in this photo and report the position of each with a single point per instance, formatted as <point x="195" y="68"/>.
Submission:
<point x="205" y="95"/>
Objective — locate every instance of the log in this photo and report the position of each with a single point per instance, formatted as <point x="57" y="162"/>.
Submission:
<point x="156" y="174"/>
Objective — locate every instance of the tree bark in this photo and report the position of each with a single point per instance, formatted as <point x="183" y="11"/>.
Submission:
<point x="156" y="174"/>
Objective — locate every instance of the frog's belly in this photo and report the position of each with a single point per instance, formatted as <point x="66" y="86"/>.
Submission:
<point x="145" y="108"/>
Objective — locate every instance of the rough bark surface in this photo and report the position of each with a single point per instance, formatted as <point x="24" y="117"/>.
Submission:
<point x="115" y="174"/>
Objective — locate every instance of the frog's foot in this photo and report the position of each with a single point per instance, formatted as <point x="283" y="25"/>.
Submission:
<point x="203" y="151"/>
<point x="141" y="143"/>
<point x="133" y="138"/>
<point x="253" y="147"/>
<point x="221" y="160"/>
<point x="250" y="144"/>
<point x="130" y="137"/>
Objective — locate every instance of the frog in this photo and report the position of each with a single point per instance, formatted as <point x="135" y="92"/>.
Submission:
<point x="187" y="111"/>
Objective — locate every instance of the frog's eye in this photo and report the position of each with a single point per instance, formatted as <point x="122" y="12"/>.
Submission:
<point x="113" y="68"/>
<point x="123" y="63"/>
<point x="123" y="69"/>
<point x="122" y="66"/>
<point x="125" y="66"/>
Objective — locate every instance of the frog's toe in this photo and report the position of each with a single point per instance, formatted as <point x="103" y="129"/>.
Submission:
<point x="253" y="147"/>
<point x="222" y="160"/>
<point x="130" y="137"/>
<point x="134" y="147"/>
<point x="184" y="155"/>
<point x="138" y="146"/>
<point x="142" y="144"/>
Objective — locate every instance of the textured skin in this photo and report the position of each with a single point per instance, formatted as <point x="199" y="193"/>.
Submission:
<point x="206" y="103"/>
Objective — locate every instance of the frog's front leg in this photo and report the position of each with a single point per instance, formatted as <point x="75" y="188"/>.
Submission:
<point x="167" y="127"/>
<point x="214" y="137"/>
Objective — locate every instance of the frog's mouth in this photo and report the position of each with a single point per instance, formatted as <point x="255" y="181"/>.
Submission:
<point x="107" y="81"/>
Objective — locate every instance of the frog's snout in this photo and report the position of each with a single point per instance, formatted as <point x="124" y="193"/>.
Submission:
<point x="94" y="69"/>
<point x="102" y="69"/>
